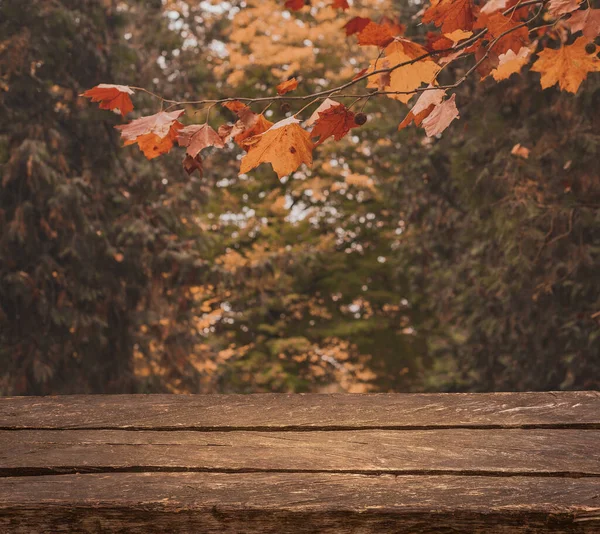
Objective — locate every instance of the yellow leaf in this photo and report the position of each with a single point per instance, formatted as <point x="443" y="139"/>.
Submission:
<point x="510" y="63"/>
<point x="409" y="77"/>
<point x="458" y="35"/>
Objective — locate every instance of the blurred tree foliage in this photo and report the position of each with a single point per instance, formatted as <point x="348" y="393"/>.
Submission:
<point x="395" y="263"/>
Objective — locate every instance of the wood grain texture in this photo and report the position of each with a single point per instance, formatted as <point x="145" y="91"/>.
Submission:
<point x="304" y="412"/>
<point x="297" y="503"/>
<point x="469" y="463"/>
<point x="542" y="452"/>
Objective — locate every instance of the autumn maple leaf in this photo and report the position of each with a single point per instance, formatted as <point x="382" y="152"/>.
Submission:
<point x="236" y="106"/>
<point x="334" y="121"/>
<point x="259" y="125"/>
<point x="458" y="35"/>
<point x="111" y="97"/>
<point x="248" y="125"/>
<point x="375" y="34"/>
<point x="450" y="15"/>
<point x="406" y="79"/>
<point x="287" y="86"/>
<point x="511" y="63"/>
<point x="326" y="104"/>
<point x="497" y="24"/>
<point x="587" y="21"/>
<point x="356" y="25"/>
<point x="424" y="105"/>
<point x="562" y="7"/>
<point x="568" y="66"/>
<point x="285" y="146"/>
<point x="440" y="117"/>
<point x="154" y="134"/>
<point x="197" y="137"/>
<point x="494" y="5"/>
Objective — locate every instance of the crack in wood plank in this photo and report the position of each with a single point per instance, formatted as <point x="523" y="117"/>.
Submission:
<point x="85" y="470"/>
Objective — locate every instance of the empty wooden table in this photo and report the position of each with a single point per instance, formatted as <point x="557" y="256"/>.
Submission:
<point x="485" y="463"/>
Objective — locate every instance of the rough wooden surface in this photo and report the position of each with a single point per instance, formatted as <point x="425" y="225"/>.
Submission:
<point x="289" y="503"/>
<point x="272" y="411"/>
<point x="481" y="463"/>
<point x="497" y="452"/>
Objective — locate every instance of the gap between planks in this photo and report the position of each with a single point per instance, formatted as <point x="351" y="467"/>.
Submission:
<point x="16" y="472"/>
<point x="300" y="428"/>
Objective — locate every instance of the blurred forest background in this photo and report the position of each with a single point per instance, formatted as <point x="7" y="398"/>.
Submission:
<point x="397" y="263"/>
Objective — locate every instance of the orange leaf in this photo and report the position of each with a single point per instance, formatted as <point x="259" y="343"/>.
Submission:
<point x="376" y="34"/>
<point x="235" y="105"/>
<point x="450" y="15"/>
<point x="111" y="97"/>
<point x="568" y="66"/>
<point x="259" y="125"/>
<point x="154" y="134"/>
<point x="334" y="121"/>
<point x="355" y="25"/>
<point x="435" y="41"/>
<point x="520" y="151"/>
<point x="250" y="124"/>
<point x="285" y="146"/>
<point x="287" y="86"/>
<point x="441" y="117"/>
<point x="153" y="146"/>
<point x="497" y="24"/>
<point x="198" y="137"/>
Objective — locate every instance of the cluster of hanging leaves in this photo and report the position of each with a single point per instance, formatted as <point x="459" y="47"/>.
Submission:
<point x="499" y="38"/>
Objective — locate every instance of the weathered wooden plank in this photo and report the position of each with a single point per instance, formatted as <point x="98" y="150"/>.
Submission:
<point x="565" y="452"/>
<point x="304" y="412"/>
<point x="298" y="503"/>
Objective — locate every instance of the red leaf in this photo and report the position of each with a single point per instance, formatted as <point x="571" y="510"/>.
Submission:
<point x="294" y="5"/>
<point x="356" y="25"/>
<point x="334" y="121"/>
<point x="198" y="137"/>
<point x="340" y="4"/>
<point x="111" y="97"/>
